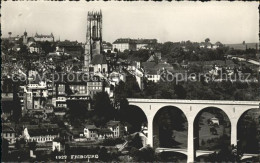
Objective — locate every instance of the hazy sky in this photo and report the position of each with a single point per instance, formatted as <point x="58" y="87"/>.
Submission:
<point x="228" y="22"/>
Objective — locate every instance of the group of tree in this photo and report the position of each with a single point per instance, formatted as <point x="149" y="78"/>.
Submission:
<point x="225" y="90"/>
<point x="225" y="154"/>
<point x="140" y="55"/>
<point x="101" y="112"/>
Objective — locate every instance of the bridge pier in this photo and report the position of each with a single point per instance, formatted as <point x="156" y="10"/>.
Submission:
<point x="150" y="132"/>
<point x="233" y="135"/>
<point x="190" y="151"/>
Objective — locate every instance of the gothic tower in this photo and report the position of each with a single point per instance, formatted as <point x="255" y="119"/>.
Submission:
<point x="93" y="38"/>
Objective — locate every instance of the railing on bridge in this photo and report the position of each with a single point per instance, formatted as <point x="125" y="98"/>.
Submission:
<point x="219" y="102"/>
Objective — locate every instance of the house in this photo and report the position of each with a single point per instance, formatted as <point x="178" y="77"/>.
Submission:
<point x="116" y="77"/>
<point x="145" y="43"/>
<point x="41" y="133"/>
<point x="98" y="64"/>
<point x="214" y="121"/>
<point x="30" y="41"/>
<point x="16" y="47"/>
<point x="155" y="57"/>
<point x="144" y="129"/>
<point x="82" y="99"/>
<point x="116" y="127"/>
<point x="57" y="144"/>
<point x="152" y="70"/>
<point x="59" y="93"/>
<point x="91" y="132"/>
<point x="217" y="45"/>
<point x="123" y="44"/>
<point x="95" y="84"/>
<point x="153" y="75"/>
<point x="105" y="133"/>
<point x="206" y="45"/>
<point x="77" y="83"/>
<point x="134" y="64"/>
<point x="43" y="38"/>
<point x="7" y="94"/>
<point x="106" y="46"/>
<point x="8" y="133"/>
<point x="35" y="94"/>
<point x="35" y="48"/>
<point x="72" y="48"/>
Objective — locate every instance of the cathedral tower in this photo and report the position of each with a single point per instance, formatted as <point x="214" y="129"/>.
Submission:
<point x="93" y="38"/>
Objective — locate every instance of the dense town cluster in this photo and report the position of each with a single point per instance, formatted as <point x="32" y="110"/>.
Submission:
<point x="61" y="96"/>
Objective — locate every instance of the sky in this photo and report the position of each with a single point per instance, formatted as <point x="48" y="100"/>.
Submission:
<point x="227" y="22"/>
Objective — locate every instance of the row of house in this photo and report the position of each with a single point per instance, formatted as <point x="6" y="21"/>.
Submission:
<point x="122" y="44"/>
<point x="209" y="45"/>
<point x="38" y="93"/>
<point x="114" y="129"/>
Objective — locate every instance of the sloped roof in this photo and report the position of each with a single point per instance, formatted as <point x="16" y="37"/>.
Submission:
<point x="98" y="59"/>
<point x="104" y="131"/>
<point x="91" y="127"/>
<point x="123" y="40"/>
<point x="44" y="36"/>
<point x="7" y="129"/>
<point x="43" y="129"/>
<point x="113" y="123"/>
<point x="148" y="65"/>
<point x="146" y="41"/>
<point x="153" y="68"/>
<point x="152" y="71"/>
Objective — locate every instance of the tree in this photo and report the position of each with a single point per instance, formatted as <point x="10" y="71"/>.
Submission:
<point x="5" y="149"/>
<point x="47" y="47"/>
<point x="136" y="142"/>
<point x="103" y="155"/>
<point x="17" y="109"/>
<point x="207" y="40"/>
<point x="226" y="154"/>
<point x="10" y="34"/>
<point x="166" y="120"/>
<point x="180" y="91"/>
<point x="247" y="132"/>
<point x="145" y="155"/>
<point x="103" y="108"/>
<point x="77" y="111"/>
<point x="150" y="88"/>
<point x="32" y="145"/>
<point x="20" y="143"/>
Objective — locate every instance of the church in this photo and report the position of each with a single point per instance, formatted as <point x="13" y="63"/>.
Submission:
<point x="94" y="61"/>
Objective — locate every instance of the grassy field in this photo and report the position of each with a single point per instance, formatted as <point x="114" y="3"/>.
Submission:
<point x="204" y="132"/>
<point x="241" y="46"/>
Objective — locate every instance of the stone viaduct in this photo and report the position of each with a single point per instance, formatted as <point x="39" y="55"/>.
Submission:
<point x="191" y="108"/>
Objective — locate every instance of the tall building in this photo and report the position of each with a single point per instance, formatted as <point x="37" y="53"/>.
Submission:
<point x="43" y="38"/>
<point x="93" y="38"/>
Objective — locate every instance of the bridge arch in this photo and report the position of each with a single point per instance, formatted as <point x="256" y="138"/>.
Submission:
<point x="211" y="125"/>
<point x="248" y="129"/>
<point x="170" y="127"/>
<point x="136" y="117"/>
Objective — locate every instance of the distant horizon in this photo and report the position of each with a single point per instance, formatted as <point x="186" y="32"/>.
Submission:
<point x="174" y="22"/>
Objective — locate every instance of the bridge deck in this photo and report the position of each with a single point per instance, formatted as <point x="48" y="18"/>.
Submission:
<point x="199" y="152"/>
<point x="219" y="102"/>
